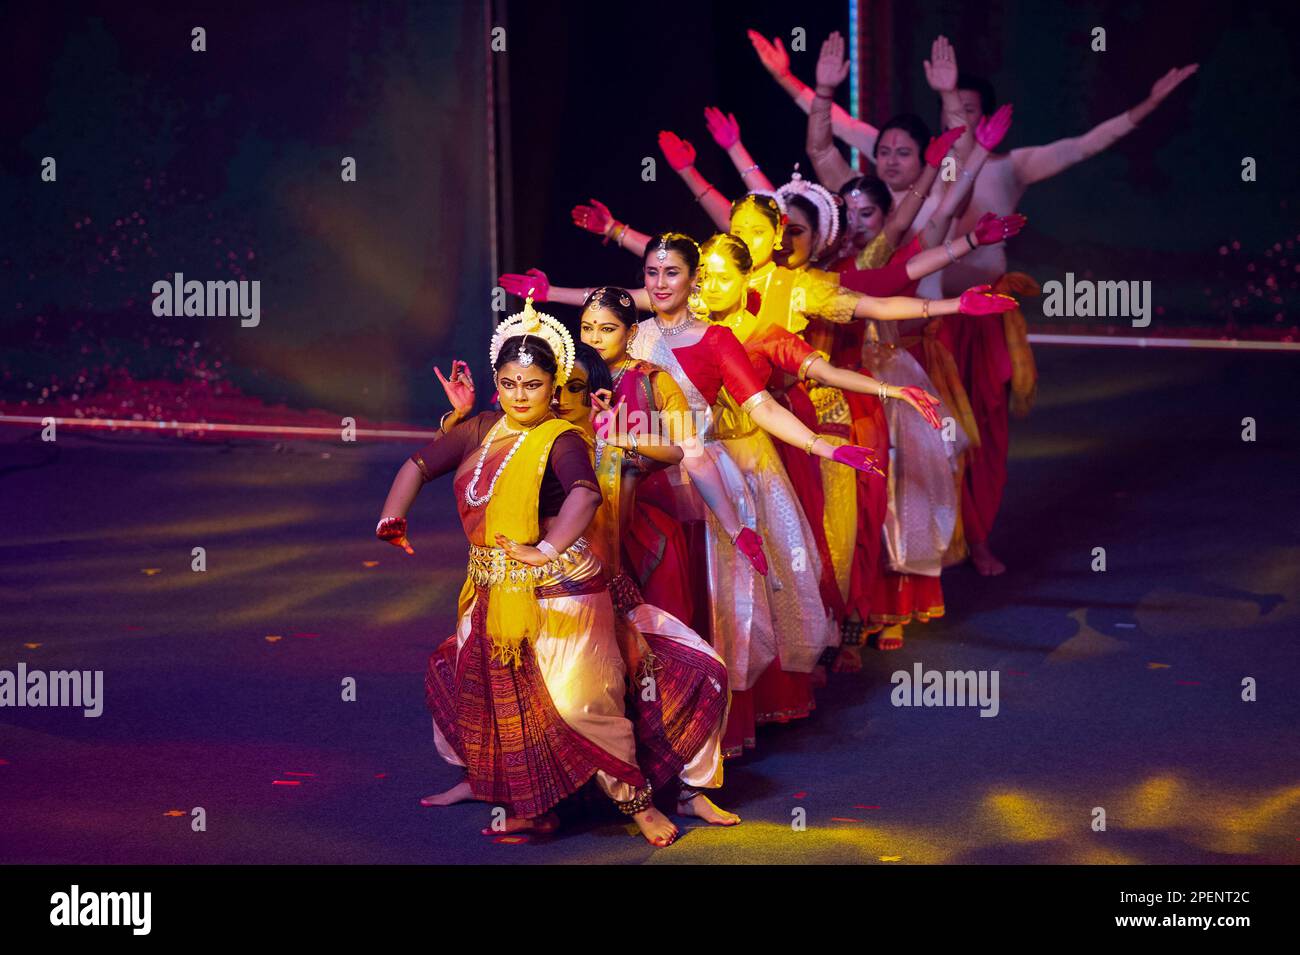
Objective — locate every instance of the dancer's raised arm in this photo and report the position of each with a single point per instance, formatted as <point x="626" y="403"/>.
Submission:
<point x="596" y="219"/>
<point x="681" y="157"/>
<point x="831" y="168"/>
<point x="726" y="133"/>
<point x="1035" y="163"/>
<point x="941" y="74"/>
<point x="990" y="131"/>
<point x="776" y="61"/>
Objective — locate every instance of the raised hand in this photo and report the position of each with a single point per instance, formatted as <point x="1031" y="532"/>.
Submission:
<point x="940" y="145"/>
<point x="980" y="301"/>
<point x="532" y="283"/>
<point x="941" y="67"/>
<point x="1170" y="81"/>
<point x="679" y="152"/>
<point x="858" y="458"/>
<point x="771" y="53"/>
<point x="922" y="401"/>
<point x="595" y="218"/>
<point x="724" y="129"/>
<point x="832" y="67"/>
<point x="393" y="530"/>
<point x="751" y="545"/>
<point x="992" y="228"/>
<point x="602" y="415"/>
<point x="459" y="387"/>
<point x="992" y="129"/>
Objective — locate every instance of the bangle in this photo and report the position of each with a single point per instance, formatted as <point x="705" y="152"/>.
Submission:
<point x="398" y="523"/>
<point x="925" y="308"/>
<point x="746" y="172"/>
<point x="971" y="242"/>
<point x="586" y="294"/>
<point x="948" y="246"/>
<point x="707" y="190"/>
<point x="442" y="422"/>
<point x="733" y="537"/>
<point x="622" y="232"/>
<point x="915" y="193"/>
<point x="882" y="390"/>
<point x="631" y="439"/>
<point x="808" y="446"/>
<point x="806" y="363"/>
<point x="548" y="549"/>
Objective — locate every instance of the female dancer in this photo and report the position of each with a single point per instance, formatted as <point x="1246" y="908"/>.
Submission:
<point x="528" y="695"/>
<point x="678" y="698"/>
<point x="703" y="359"/>
<point x="650" y="409"/>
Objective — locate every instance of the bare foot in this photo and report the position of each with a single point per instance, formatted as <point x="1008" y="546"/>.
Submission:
<point x="891" y="638"/>
<point x="457" y="793"/>
<point x="848" y="661"/>
<point x="817" y="679"/>
<point x="541" y="825"/>
<point x="657" y="828"/>
<point x="702" y="807"/>
<point x="986" y="564"/>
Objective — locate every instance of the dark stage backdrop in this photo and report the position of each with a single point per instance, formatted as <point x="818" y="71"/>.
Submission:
<point x="226" y="164"/>
<point x="592" y="88"/>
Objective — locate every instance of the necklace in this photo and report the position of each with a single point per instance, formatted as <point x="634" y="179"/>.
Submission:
<point x="472" y="499"/>
<point x="669" y="330"/>
<point x="626" y="364"/>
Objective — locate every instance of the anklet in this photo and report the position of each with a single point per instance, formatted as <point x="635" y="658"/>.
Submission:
<point x="638" y="803"/>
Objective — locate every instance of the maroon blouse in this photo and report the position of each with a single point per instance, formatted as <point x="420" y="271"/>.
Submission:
<point x="568" y="466"/>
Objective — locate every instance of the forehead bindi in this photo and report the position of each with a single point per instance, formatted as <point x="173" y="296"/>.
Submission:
<point x="512" y="371"/>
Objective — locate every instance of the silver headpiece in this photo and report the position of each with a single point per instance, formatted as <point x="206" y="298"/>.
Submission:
<point x="828" y="220"/>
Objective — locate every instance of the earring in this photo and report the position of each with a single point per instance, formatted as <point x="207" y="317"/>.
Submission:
<point x="695" y="304"/>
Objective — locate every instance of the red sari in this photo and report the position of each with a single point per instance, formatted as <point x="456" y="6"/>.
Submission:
<point x="768" y="692"/>
<point x="889" y="597"/>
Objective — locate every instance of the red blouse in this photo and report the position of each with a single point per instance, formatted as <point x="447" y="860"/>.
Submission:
<point x="890" y="280"/>
<point x="719" y="360"/>
<point x="773" y="347"/>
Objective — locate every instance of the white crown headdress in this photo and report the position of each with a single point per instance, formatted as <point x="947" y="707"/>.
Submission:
<point x="827" y="216"/>
<point x="540" y="325"/>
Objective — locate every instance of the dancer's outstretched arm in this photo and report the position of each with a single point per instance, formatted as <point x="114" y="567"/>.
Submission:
<point x="534" y="284"/>
<point x="791" y="353"/>
<point x="897" y="308"/>
<point x="597" y="220"/>
<point x="726" y="133"/>
<point x="776" y="61"/>
<point x="681" y="157"/>
<point x="1035" y="163"/>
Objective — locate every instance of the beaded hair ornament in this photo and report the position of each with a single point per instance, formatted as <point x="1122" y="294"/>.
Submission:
<point x="827" y="218"/>
<point x="543" y="326"/>
<point x="605" y="295"/>
<point x="774" y="196"/>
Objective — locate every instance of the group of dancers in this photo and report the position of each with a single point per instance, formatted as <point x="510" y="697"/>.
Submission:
<point x="679" y="524"/>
